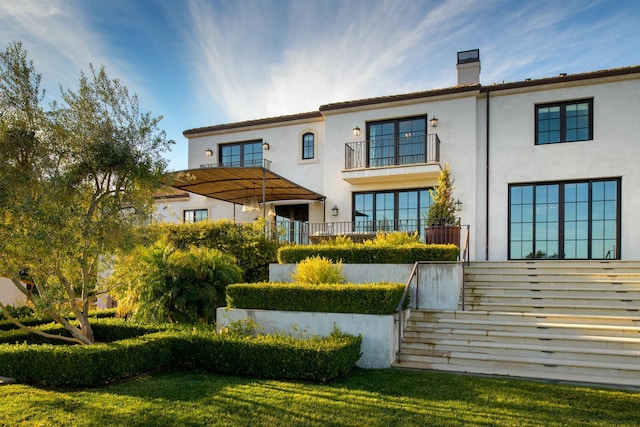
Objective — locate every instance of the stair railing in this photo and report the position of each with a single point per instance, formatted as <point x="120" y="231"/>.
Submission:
<point x="399" y="309"/>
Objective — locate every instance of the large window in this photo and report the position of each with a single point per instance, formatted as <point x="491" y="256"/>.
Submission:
<point x="195" y="215"/>
<point x="308" y="146"/>
<point x="241" y="154"/>
<point x="397" y="142"/>
<point x="564" y="122"/>
<point x="401" y="210"/>
<point x="568" y="220"/>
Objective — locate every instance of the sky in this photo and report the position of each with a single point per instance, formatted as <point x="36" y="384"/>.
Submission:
<point x="199" y="63"/>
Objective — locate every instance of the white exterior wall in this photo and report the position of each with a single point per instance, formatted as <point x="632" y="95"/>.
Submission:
<point x="613" y="152"/>
<point x="9" y="294"/>
<point x="462" y="130"/>
<point x="285" y="145"/>
<point x="457" y="132"/>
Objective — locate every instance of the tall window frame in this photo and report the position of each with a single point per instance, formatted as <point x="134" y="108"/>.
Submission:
<point x="391" y="210"/>
<point x="308" y="146"/>
<point x="565" y="220"/>
<point x="400" y="141"/>
<point x="563" y="122"/>
<point x="241" y="154"/>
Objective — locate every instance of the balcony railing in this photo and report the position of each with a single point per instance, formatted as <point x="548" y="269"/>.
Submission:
<point x="252" y="163"/>
<point x="304" y="233"/>
<point x="384" y="152"/>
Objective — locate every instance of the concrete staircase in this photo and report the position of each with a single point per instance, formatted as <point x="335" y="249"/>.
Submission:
<point x="556" y="320"/>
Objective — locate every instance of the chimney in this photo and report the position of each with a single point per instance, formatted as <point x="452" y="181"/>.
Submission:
<point x="468" y="67"/>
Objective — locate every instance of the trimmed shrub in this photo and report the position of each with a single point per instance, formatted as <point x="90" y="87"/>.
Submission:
<point x="316" y="270"/>
<point x="272" y="356"/>
<point x="246" y="242"/>
<point x="359" y="253"/>
<point x="370" y="298"/>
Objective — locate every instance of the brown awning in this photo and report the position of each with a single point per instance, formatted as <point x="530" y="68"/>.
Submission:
<point x="236" y="184"/>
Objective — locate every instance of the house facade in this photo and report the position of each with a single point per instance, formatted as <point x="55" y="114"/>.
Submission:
<point x="544" y="168"/>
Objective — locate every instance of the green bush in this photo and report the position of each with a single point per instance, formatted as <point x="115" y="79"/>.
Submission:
<point x="369" y="253"/>
<point x="316" y="270"/>
<point x="160" y="283"/>
<point x="246" y="242"/>
<point x="370" y="298"/>
<point x="275" y="356"/>
<point x="315" y="359"/>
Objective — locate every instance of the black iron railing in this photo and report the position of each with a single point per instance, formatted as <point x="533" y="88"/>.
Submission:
<point x="253" y="163"/>
<point x="384" y="152"/>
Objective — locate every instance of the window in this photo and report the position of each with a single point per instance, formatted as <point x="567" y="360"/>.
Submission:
<point x="241" y="154"/>
<point x="195" y="215"/>
<point x="567" y="220"/>
<point x="397" y="142"/>
<point x="564" y="122"/>
<point x="400" y="210"/>
<point x="308" y="146"/>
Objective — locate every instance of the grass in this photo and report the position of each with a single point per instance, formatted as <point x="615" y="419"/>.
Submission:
<point x="364" y="398"/>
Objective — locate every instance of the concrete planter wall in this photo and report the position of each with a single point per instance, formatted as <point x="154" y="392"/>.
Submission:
<point x="379" y="332"/>
<point x="438" y="285"/>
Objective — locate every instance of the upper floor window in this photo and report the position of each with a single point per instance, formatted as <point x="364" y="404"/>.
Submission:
<point x="241" y="154"/>
<point x="195" y="215"/>
<point x="564" y="122"/>
<point x="397" y="142"/>
<point x="308" y="146"/>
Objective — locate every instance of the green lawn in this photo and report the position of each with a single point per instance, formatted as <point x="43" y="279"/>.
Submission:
<point x="364" y="398"/>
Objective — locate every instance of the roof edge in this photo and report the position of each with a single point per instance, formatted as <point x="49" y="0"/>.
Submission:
<point x="255" y="122"/>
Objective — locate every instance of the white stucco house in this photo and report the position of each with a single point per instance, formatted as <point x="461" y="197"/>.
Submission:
<point x="544" y="168"/>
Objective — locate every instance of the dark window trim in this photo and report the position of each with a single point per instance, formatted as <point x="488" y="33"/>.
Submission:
<point x="185" y="211"/>
<point x="313" y="146"/>
<point x="563" y="105"/>
<point x="396" y="131"/>
<point x="242" y="144"/>
<point x="561" y="202"/>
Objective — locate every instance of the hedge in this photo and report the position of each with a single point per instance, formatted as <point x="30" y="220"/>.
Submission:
<point x="316" y="359"/>
<point x="370" y="254"/>
<point x="370" y="298"/>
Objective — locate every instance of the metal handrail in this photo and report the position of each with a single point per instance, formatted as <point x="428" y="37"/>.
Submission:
<point x="392" y="151"/>
<point x="414" y="273"/>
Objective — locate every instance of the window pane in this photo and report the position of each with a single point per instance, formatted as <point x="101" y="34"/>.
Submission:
<point x="308" y="146"/>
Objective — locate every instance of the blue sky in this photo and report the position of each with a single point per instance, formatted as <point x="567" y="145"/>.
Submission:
<point x="199" y="63"/>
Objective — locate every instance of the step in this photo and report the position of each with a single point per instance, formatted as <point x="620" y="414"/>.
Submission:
<point x="483" y="362"/>
<point x="601" y="310"/>
<point x="493" y="276"/>
<point x="522" y="350"/>
<point x="526" y="326"/>
<point x="522" y="373"/>
<point x="509" y="316"/>
<point x="438" y="335"/>
<point x="535" y="290"/>
<point x="618" y="302"/>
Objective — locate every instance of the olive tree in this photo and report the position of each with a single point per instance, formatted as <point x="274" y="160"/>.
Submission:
<point x="76" y="180"/>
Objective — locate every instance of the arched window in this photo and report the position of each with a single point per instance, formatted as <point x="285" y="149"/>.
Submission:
<point x="308" y="146"/>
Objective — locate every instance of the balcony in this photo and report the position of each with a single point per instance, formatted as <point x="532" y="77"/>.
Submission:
<point x="394" y="158"/>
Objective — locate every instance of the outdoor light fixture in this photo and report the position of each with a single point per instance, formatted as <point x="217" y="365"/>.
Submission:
<point x="458" y="204"/>
<point x="334" y="210"/>
<point x="434" y="122"/>
<point x="265" y="145"/>
<point x="356" y="132"/>
<point x="208" y="152"/>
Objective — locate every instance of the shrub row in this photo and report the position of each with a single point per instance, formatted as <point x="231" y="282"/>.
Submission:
<point x="316" y="359"/>
<point x="370" y="254"/>
<point x="104" y="330"/>
<point x="370" y="298"/>
<point x="31" y="321"/>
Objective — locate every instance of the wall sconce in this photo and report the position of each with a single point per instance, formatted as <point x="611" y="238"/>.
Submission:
<point x="434" y="122"/>
<point x="334" y="211"/>
<point x="208" y="152"/>
<point x="265" y="146"/>
<point x="458" y="204"/>
<point x="356" y="131"/>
